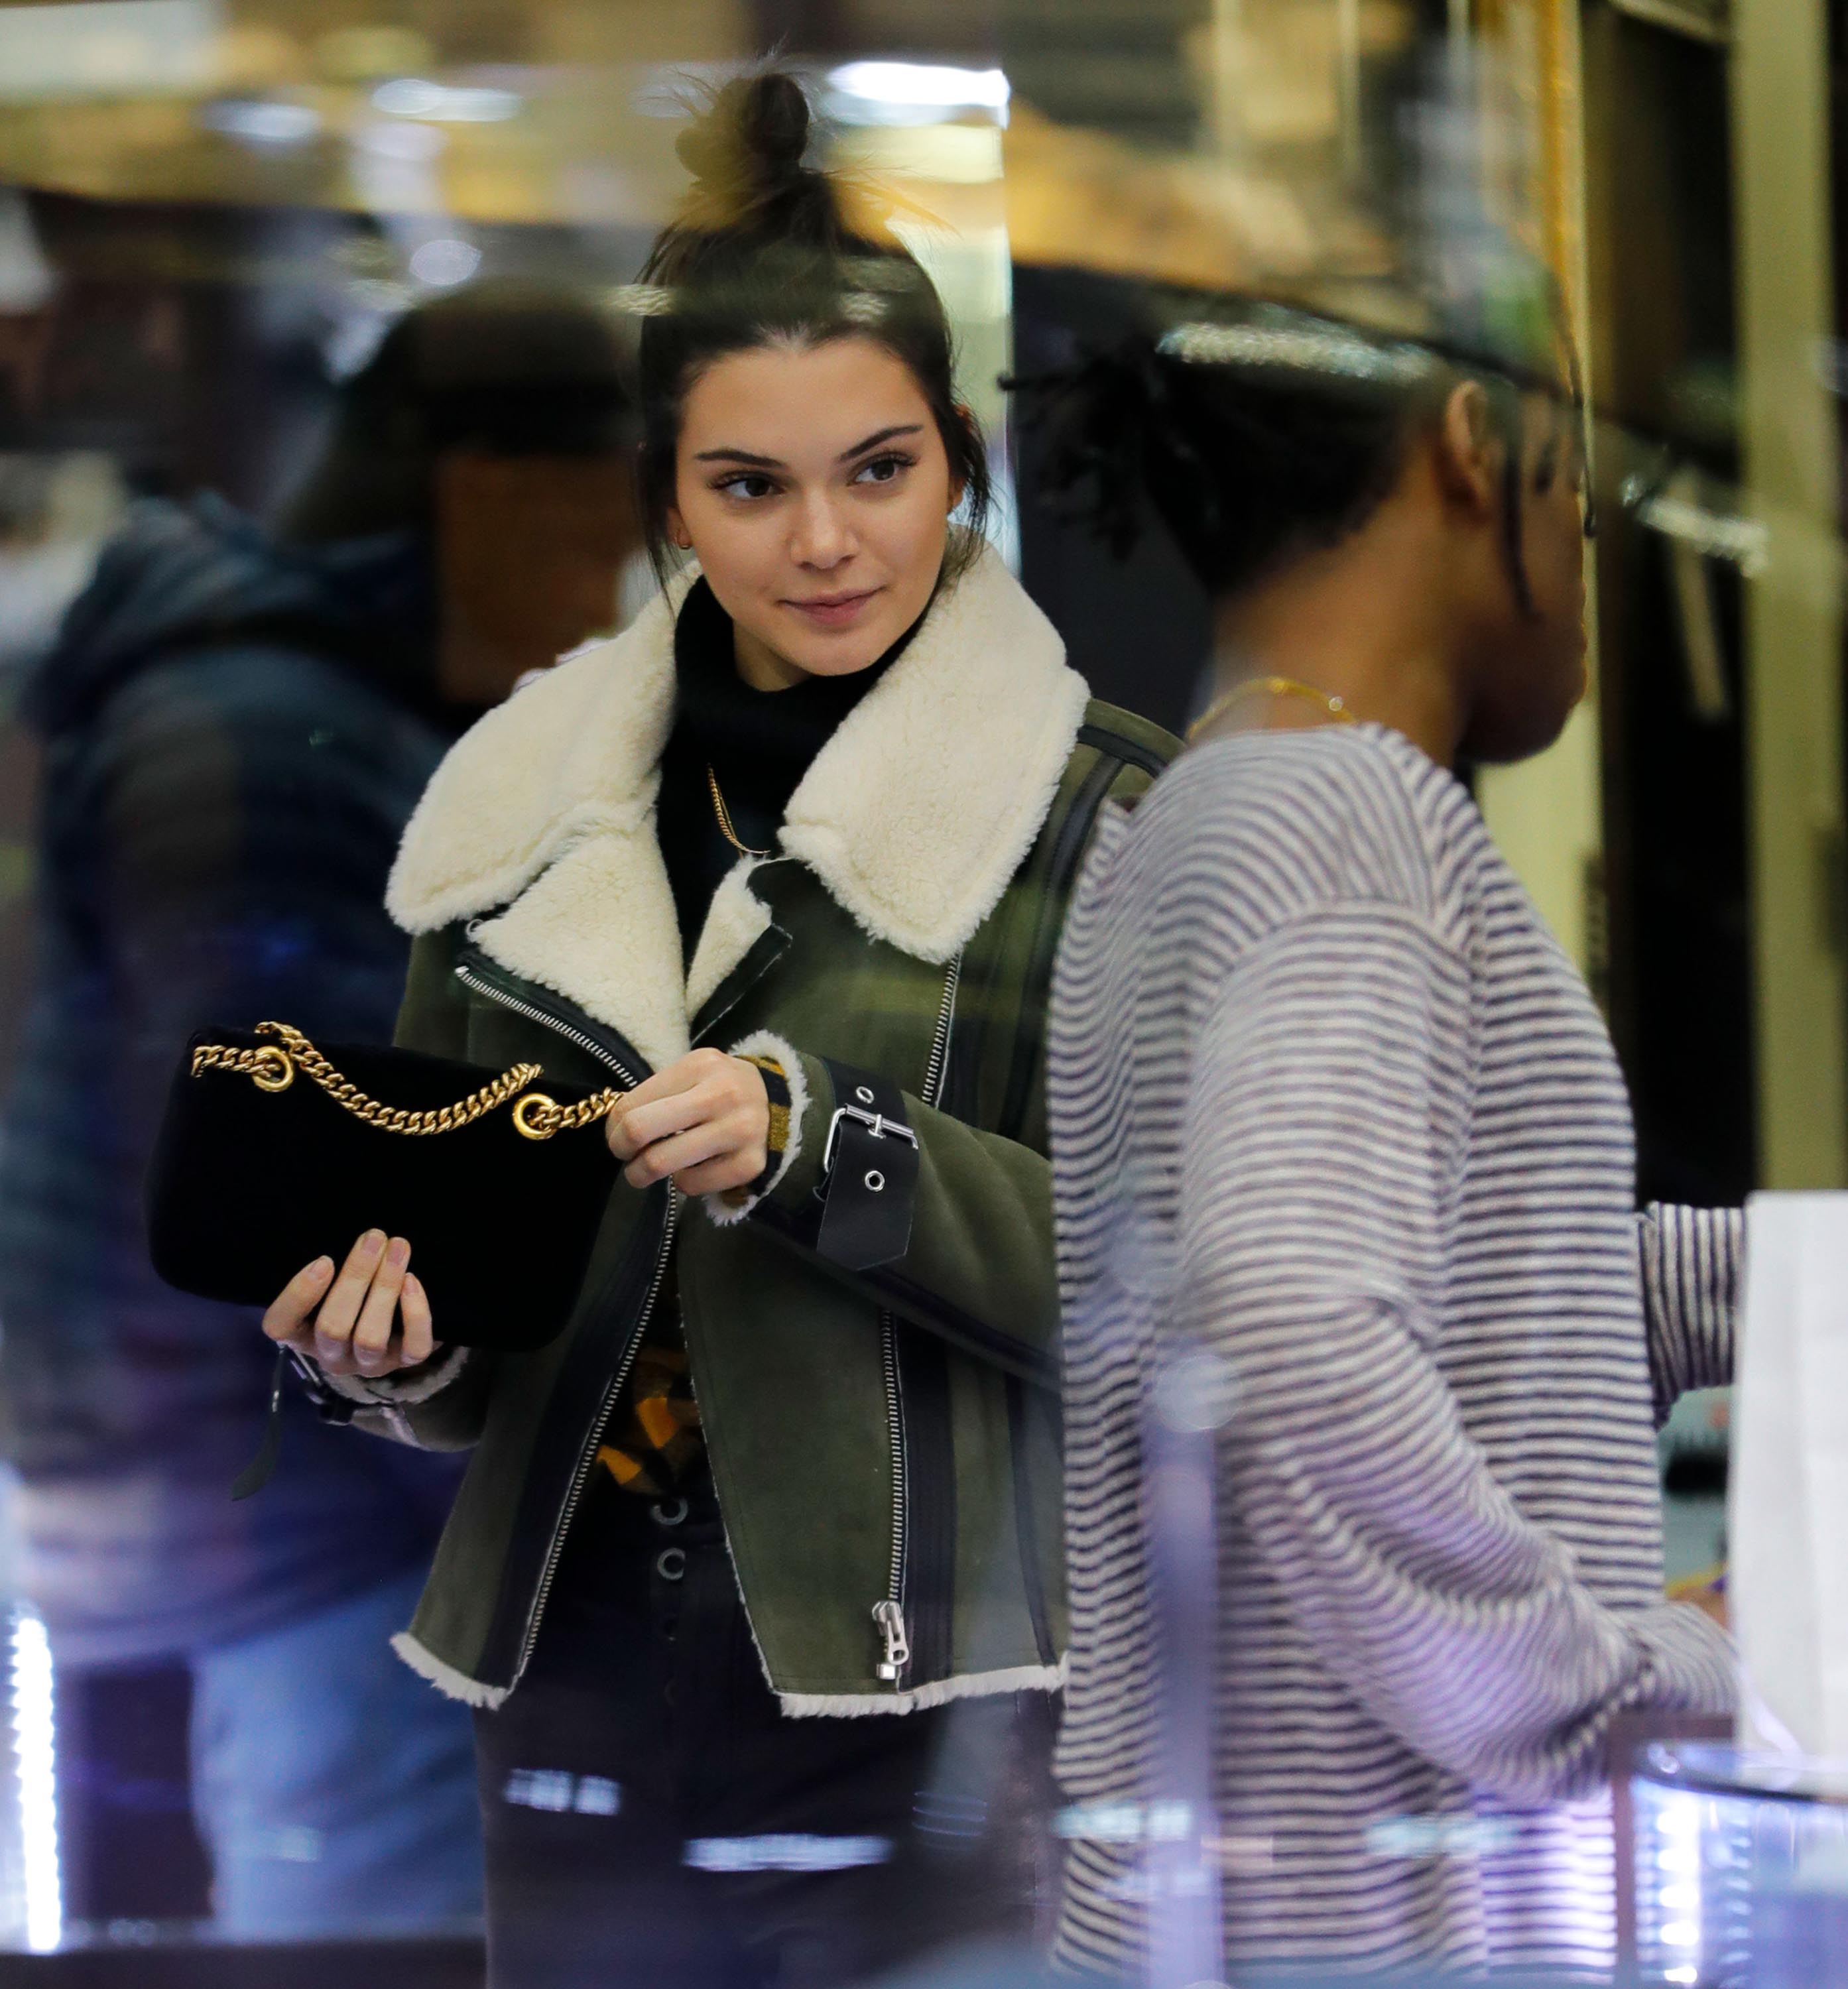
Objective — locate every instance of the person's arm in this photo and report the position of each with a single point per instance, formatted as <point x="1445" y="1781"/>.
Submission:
<point x="977" y="1261"/>
<point x="1330" y="1094"/>
<point x="1693" y="1261"/>
<point x="972" y="1214"/>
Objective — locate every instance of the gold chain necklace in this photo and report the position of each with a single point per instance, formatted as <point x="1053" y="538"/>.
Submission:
<point x="724" y="816"/>
<point x="1336" y="707"/>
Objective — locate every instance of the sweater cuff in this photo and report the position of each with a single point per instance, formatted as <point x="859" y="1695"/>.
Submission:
<point x="401" y="1390"/>
<point x="784" y="1068"/>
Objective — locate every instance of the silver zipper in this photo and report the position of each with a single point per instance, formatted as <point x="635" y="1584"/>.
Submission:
<point x="891" y="1620"/>
<point x="587" y="1458"/>
<point x="936" y="1070"/>
<point x="551" y="1021"/>
<point x="889" y="1611"/>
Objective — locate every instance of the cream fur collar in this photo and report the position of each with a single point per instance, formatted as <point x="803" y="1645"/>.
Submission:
<point x="915" y="815"/>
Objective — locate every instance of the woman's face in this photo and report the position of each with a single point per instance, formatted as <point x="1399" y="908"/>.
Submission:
<point x="812" y="485"/>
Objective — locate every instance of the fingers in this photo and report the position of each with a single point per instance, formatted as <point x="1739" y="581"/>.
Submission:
<point x="340" y="1311"/>
<point x="670" y="1102"/>
<point x="371" y="1342"/>
<point x="419" y="1343"/>
<point x="719" y="1139"/>
<point x="723" y="1121"/>
<point x="640" y="1126"/>
<point x="287" y="1318"/>
<point x="730" y="1172"/>
<point x="353" y="1333"/>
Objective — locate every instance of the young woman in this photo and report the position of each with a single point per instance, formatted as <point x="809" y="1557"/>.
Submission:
<point x="1333" y="1115"/>
<point x="788" y="858"/>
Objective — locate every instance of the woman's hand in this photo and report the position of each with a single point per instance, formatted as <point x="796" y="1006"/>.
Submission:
<point x="704" y="1120"/>
<point x="373" y="1319"/>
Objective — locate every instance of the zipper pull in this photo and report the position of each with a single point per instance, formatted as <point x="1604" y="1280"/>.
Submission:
<point x="891" y="1621"/>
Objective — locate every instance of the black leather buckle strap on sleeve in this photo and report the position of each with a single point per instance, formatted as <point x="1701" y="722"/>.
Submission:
<point x="870" y="1173"/>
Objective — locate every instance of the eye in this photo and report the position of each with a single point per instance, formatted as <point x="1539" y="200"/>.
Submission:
<point x="886" y="469"/>
<point x="749" y="484"/>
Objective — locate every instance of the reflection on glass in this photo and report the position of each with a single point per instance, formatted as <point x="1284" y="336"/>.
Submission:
<point x="266" y="551"/>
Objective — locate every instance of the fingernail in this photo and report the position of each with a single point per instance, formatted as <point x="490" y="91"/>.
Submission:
<point x="321" y="1267"/>
<point x="373" y="1241"/>
<point x="399" y="1255"/>
<point x="412" y="1283"/>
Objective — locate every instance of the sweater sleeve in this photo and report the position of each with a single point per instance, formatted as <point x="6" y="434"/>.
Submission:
<point x="1329" y="1102"/>
<point x="1692" y="1260"/>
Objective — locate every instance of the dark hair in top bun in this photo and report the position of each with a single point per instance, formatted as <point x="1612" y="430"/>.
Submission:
<point x="770" y="250"/>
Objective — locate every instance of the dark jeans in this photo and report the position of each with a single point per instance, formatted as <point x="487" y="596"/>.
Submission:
<point x="653" y="1819"/>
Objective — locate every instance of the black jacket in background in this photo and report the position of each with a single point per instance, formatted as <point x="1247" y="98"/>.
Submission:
<point x="234" y="735"/>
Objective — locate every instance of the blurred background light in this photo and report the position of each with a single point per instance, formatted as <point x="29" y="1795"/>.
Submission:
<point x="894" y="93"/>
<point x="442" y="103"/>
<point x="415" y="142"/>
<point x="35" y="1747"/>
<point x="444" y="262"/>
<point x="262" y="121"/>
<point x="107" y="48"/>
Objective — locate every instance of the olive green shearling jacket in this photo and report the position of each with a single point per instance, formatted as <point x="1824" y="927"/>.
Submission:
<point x="877" y="1366"/>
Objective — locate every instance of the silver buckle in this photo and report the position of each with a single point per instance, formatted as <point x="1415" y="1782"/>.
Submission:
<point x="880" y="1127"/>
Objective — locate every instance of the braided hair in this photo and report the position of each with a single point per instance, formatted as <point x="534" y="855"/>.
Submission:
<point x="1258" y="434"/>
<point x="770" y="251"/>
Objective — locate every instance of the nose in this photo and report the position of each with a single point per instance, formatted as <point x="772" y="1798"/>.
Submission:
<point x="821" y="539"/>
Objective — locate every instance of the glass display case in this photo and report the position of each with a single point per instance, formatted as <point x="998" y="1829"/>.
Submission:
<point x="1740" y="1867"/>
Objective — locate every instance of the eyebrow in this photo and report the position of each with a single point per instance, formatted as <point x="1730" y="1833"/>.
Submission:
<point x="754" y="462"/>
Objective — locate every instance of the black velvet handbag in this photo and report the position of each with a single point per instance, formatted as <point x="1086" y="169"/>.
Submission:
<point x="273" y="1152"/>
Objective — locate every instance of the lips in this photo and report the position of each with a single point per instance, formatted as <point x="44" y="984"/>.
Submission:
<point x="832" y="611"/>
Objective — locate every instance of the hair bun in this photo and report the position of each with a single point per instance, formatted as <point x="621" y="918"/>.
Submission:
<point x="749" y="145"/>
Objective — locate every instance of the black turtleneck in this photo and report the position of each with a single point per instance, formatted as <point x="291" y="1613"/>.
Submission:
<point x="758" y="743"/>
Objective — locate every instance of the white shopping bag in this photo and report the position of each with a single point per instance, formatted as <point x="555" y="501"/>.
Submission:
<point x="1787" y="1505"/>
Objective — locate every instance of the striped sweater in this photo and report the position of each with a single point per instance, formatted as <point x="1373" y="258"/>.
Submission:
<point x="1328" y="1097"/>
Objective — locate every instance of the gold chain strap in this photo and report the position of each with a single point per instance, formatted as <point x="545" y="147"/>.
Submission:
<point x="272" y="1067"/>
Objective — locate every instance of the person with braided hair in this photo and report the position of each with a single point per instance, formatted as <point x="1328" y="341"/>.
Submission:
<point x="754" y="1578"/>
<point x="1339" y="1134"/>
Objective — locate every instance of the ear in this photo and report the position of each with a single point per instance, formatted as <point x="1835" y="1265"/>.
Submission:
<point x="676" y="529"/>
<point x="1469" y="452"/>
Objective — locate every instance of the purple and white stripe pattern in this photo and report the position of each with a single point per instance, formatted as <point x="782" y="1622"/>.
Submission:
<point x="1327" y="1098"/>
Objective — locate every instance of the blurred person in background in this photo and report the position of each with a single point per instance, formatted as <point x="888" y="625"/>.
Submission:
<point x="236" y="723"/>
<point x="55" y="510"/>
<point x="1333" y="1113"/>
<point x="755" y="1576"/>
